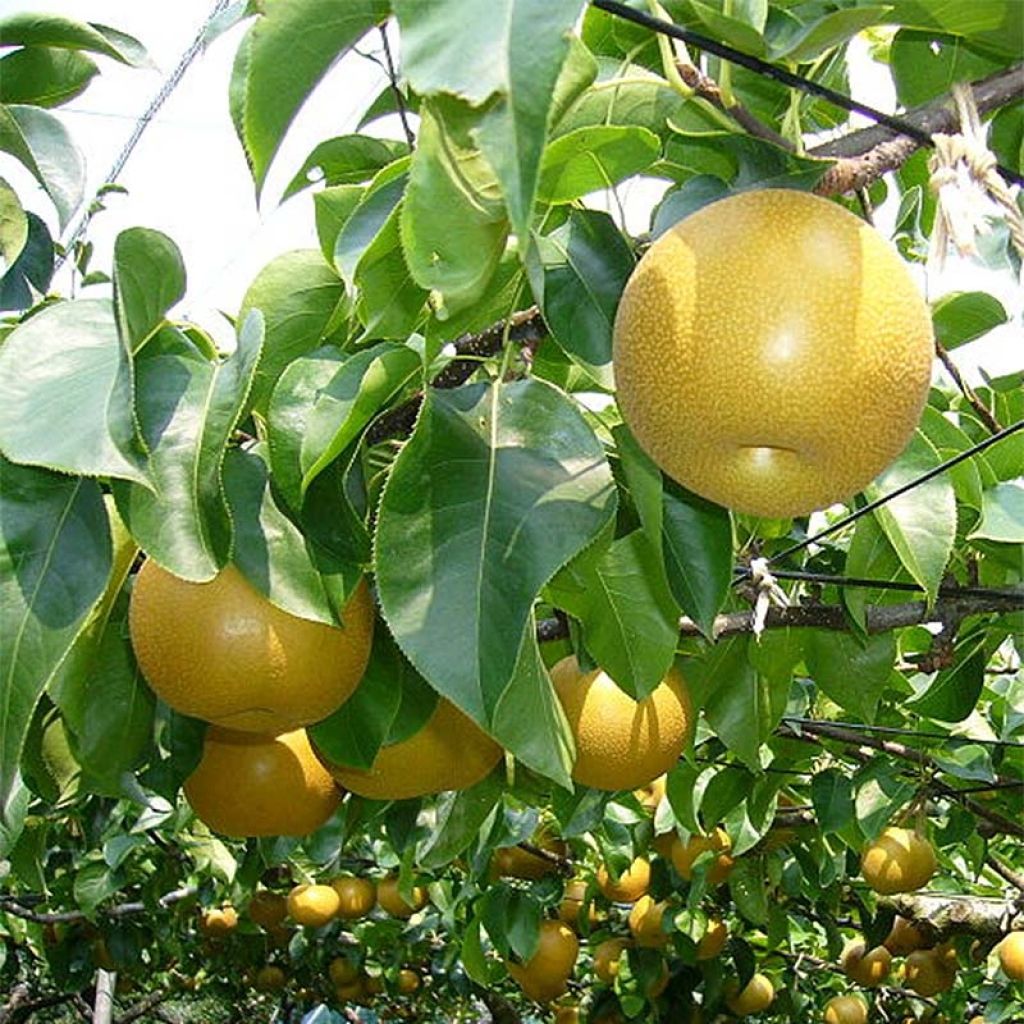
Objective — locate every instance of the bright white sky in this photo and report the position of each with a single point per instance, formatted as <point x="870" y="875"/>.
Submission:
<point x="188" y="178"/>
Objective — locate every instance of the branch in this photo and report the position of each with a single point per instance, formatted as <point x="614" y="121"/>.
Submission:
<point x="864" y="156"/>
<point x="951" y="607"/>
<point x="526" y="327"/>
<point x="1006" y="873"/>
<point x="142" y="1007"/>
<point x="500" y="1009"/>
<point x="940" y="915"/>
<point x="403" y="113"/>
<point x="984" y="413"/>
<point x="18" y="906"/>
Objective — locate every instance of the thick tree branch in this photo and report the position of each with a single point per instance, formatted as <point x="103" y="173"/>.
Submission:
<point x="525" y="327"/>
<point x="949" y="608"/>
<point x="19" y="906"/>
<point x="864" y="156"/>
<point x="941" y="916"/>
<point x="143" y="1007"/>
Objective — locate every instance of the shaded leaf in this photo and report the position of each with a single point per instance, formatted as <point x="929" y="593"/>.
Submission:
<point x="55" y="558"/>
<point x="460" y="816"/>
<point x="851" y="672"/>
<point x="832" y="796"/>
<point x="1002" y="514"/>
<point x="953" y="693"/>
<point x="13" y="226"/>
<point x="588" y="159"/>
<point x="149" y="278"/>
<point x="345" y="160"/>
<point x="30" y="275"/>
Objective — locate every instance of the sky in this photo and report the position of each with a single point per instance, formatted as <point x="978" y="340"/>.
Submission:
<point x="187" y="176"/>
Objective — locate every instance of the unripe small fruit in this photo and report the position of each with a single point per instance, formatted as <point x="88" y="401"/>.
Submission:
<point x="313" y="905"/>
<point x="629" y="886"/>
<point x="904" y="938"/>
<point x="684" y="855"/>
<point x="269" y="978"/>
<point x="899" y="860"/>
<point x="866" y="967"/>
<point x="544" y="977"/>
<point x="390" y="900"/>
<point x="343" y="971"/>
<point x="408" y="981"/>
<point x="645" y="922"/>
<point x="846" y="1010"/>
<point x="927" y="974"/>
<point x="1011" y="956"/>
<point x="218" y="921"/>
<point x="607" y="957"/>
<point x="712" y="942"/>
<point x="356" y="897"/>
<point x="267" y="909"/>
<point x="572" y="902"/>
<point x="757" y="996"/>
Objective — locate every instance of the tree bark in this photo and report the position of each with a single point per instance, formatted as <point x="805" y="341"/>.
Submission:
<point x="940" y="916"/>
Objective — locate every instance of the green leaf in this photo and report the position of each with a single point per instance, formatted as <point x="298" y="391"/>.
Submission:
<point x="1002" y="514"/>
<point x="749" y="890"/>
<point x="367" y="220"/>
<point x="453" y="222"/>
<point x="493" y="476"/>
<point x="13" y="227"/>
<point x="644" y="480"/>
<point x="43" y="145"/>
<point x="586" y="265"/>
<point x="66" y="393"/>
<point x="812" y="40"/>
<point x="460" y="816"/>
<point x="332" y="209"/>
<point x="871" y="557"/>
<point x="961" y="317"/>
<point x="345" y="160"/>
<point x="1006" y="137"/>
<point x="921" y="524"/>
<point x="832" y="796"/>
<point x="267" y="546"/>
<point x="589" y="159"/>
<point x="851" y="672"/>
<point x="34" y="29"/>
<point x="881" y="791"/>
<point x="691" y="196"/>
<point x="734" y="31"/>
<point x="149" y="278"/>
<point x="390" y="303"/>
<point x="55" y="558"/>
<point x="29" y="276"/>
<point x="360" y="727"/>
<point x="322" y="403"/>
<point x="93" y="884"/>
<point x="511" y="133"/>
<point x="285" y="52"/>
<point x="743" y="706"/>
<point x="44" y="76"/>
<point x="953" y="693"/>
<point x="298" y="294"/>
<point x="188" y="408"/>
<point x="998" y="24"/>
<point x="630" y="621"/>
<point x="48" y="766"/>
<point x="927" y="64"/>
<point x="697" y="541"/>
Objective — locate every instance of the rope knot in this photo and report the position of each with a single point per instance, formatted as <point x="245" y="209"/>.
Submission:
<point x="768" y="593"/>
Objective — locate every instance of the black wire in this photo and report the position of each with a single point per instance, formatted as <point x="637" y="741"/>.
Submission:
<point x="878" y="502"/>
<point x="948" y="590"/>
<point x="667" y="28"/>
<point x="895" y="731"/>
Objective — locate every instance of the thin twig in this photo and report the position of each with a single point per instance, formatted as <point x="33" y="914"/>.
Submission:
<point x="984" y="413"/>
<point x="1005" y="872"/>
<point x="19" y="906"/>
<point x="403" y="113"/>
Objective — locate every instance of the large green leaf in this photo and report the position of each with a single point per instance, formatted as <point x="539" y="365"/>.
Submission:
<point x="66" y="393"/>
<point x="36" y="29"/>
<point x="268" y="547"/>
<point x="44" y="76"/>
<point x="187" y="409"/>
<point x="149" y="278"/>
<point x="927" y="64"/>
<point x="498" y="487"/>
<point x="453" y="222"/>
<point x="43" y="145"/>
<point x="460" y="816"/>
<point x="630" y="620"/>
<point x="589" y="159"/>
<point x="1002" y="517"/>
<point x="367" y="220"/>
<point x="998" y="24"/>
<point x="586" y="265"/>
<point x="285" y="52"/>
<point x="55" y="558"/>
<point x="872" y="557"/>
<point x="298" y="294"/>
<point x="321" y="404"/>
<point x="808" y="42"/>
<point x="920" y="524"/>
<point x="697" y="541"/>
<point x="852" y="671"/>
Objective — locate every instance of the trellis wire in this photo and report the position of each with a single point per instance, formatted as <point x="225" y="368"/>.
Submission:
<point x="141" y="124"/>
<point x="871" y="584"/>
<point x="761" y="67"/>
<point x="845" y="521"/>
<point x="892" y="730"/>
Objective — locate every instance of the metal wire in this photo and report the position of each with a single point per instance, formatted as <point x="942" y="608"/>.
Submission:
<point x="141" y="124"/>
